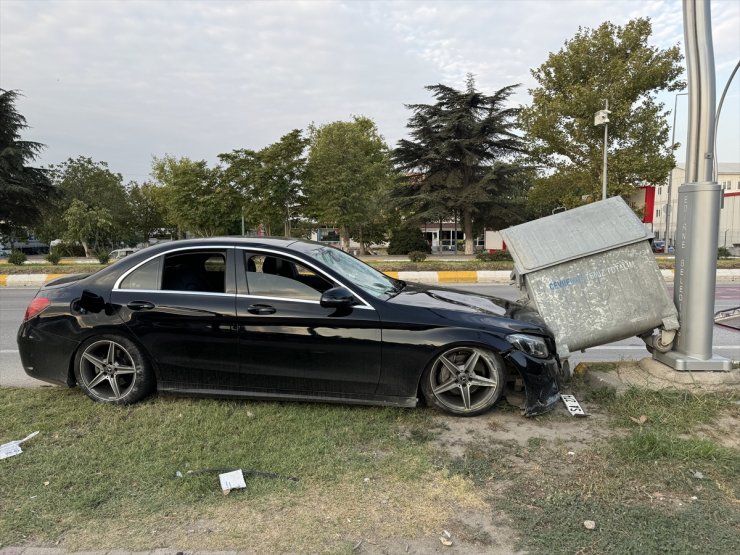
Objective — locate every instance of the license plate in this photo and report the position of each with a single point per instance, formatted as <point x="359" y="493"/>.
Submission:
<point x="573" y="406"/>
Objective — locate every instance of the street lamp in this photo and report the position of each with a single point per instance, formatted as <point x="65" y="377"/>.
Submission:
<point x="602" y="118"/>
<point x="669" y="206"/>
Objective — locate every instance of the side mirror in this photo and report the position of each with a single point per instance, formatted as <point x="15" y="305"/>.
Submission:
<point x="337" y="297"/>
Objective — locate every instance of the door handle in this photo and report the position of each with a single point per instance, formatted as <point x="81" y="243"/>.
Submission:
<point x="261" y="309"/>
<point x="140" y="305"/>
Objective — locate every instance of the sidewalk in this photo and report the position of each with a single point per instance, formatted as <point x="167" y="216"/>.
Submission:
<point x="480" y="276"/>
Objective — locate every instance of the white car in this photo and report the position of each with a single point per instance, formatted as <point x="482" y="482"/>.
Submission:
<point x="120" y="253"/>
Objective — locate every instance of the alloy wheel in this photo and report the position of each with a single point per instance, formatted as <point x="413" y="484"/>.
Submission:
<point x="465" y="379"/>
<point x="108" y="370"/>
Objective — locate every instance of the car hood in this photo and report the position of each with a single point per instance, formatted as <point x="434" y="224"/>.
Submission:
<point x="476" y="306"/>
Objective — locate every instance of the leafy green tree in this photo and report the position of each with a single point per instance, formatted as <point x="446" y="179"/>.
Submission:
<point x="461" y="155"/>
<point x="270" y="180"/>
<point x="147" y="208"/>
<point x="408" y="238"/>
<point x="198" y="199"/>
<point x="348" y="174"/>
<point x="607" y="63"/>
<point x="24" y="190"/>
<point x="92" y="204"/>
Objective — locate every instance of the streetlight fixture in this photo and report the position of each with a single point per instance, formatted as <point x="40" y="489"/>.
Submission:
<point x="602" y="118"/>
<point x="669" y="206"/>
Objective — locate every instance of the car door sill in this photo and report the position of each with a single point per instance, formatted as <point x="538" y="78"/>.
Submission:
<point x="379" y="400"/>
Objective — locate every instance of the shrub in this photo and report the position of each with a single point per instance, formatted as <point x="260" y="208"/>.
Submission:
<point x="723" y="252"/>
<point x="17" y="258"/>
<point x="53" y="257"/>
<point x="494" y="256"/>
<point x="406" y="239"/>
<point x="417" y="256"/>
<point x="103" y="255"/>
<point x="70" y="249"/>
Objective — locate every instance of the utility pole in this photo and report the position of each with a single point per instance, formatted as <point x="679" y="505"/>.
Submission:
<point x="602" y="118"/>
<point x="669" y="205"/>
<point x="698" y="207"/>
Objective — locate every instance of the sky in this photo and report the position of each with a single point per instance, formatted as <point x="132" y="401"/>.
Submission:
<point x="124" y="81"/>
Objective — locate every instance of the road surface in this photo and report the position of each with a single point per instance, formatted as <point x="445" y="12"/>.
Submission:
<point x="13" y="304"/>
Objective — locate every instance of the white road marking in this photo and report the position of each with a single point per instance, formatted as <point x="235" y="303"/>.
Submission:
<point x="8" y="351"/>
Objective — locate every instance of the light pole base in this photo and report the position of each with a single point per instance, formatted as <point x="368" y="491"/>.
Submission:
<point x="685" y="363"/>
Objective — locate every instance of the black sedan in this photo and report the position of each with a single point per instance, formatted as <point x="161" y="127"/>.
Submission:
<point x="270" y="318"/>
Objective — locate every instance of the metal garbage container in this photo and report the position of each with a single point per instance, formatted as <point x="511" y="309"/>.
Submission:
<point x="591" y="274"/>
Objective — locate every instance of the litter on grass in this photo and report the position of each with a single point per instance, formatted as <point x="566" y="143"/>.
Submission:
<point x="232" y="480"/>
<point x="13" y="448"/>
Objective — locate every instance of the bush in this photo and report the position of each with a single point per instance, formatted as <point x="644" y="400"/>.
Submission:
<point x="17" y="258"/>
<point x="70" y="249"/>
<point x="103" y="255"/>
<point x="417" y="256"/>
<point x="723" y="252"/>
<point x="53" y="257"/>
<point x="494" y="256"/>
<point x="406" y="239"/>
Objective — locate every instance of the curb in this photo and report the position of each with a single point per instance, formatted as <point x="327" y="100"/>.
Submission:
<point x="480" y="276"/>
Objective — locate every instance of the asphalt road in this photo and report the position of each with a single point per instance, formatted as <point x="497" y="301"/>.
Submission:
<point x="13" y="304"/>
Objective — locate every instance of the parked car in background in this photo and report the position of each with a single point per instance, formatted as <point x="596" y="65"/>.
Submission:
<point x="4" y="253"/>
<point x="120" y="253"/>
<point x="280" y="319"/>
<point x="658" y="246"/>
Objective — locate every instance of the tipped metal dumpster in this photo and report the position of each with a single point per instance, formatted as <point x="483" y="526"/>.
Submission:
<point x="591" y="274"/>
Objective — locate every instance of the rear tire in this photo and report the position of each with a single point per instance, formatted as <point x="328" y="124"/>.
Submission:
<point x="464" y="381"/>
<point x="112" y="369"/>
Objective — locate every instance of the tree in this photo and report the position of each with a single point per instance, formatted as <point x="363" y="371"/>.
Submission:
<point x="608" y="63"/>
<point x="270" y="180"/>
<point x="461" y="155"/>
<point x="348" y="173"/>
<point x="24" y="190"/>
<point x="147" y="207"/>
<point x="92" y="203"/>
<point x="198" y="199"/>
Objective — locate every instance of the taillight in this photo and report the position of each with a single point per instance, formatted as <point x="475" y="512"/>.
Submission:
<point x="36" y="307"/>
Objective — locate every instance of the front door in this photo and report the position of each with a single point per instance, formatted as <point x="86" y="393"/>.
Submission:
<point x="289" y="343"/>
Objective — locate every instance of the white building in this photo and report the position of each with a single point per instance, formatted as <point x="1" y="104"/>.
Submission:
<point x="728" y="177"/>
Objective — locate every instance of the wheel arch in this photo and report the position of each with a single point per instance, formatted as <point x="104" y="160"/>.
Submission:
<point x="100" y="331"/>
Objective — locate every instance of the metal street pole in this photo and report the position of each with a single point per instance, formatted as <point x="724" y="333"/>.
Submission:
<point x="669" y="205"/>
<point x="602" y="118"/>
<point x="606" y="127"/>
<point x="698" y="207"/>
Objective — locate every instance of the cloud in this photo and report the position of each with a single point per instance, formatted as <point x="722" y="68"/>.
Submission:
<point x="123" y="81"/>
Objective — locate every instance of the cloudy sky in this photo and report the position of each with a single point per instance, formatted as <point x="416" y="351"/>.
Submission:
<point x="122" y="81"/>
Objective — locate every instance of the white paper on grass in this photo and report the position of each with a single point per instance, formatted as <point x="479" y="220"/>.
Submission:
<point x="13" y="448"/>
<point x="232" y="480"/>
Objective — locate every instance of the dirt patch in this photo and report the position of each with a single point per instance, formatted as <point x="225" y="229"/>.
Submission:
<point x="501" y="427"/>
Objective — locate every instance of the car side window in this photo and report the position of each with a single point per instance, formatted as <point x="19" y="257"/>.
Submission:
<point x="275" y="276"/>
<point x="203" y="271"/>
<point x="146" y="276"/>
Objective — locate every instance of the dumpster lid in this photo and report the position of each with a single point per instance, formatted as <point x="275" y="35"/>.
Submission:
<point x="576" y="233"/>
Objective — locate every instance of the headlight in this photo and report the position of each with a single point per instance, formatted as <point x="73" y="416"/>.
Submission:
<point x="530" y="344"/>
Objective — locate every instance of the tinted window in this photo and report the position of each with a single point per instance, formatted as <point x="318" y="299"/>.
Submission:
<point x="274" y="276"/>
<point x="195" y="271"/>
<point x="144" y="277"/>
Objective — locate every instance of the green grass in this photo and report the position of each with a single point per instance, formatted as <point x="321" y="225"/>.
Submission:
<point x="655" y="485"/>
<point x="104" y="462"/>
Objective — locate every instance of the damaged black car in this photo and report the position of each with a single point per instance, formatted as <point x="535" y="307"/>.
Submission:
<point x="281" y="319"/>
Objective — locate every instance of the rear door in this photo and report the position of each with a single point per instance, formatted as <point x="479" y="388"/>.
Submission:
<point x="181" y="306"/>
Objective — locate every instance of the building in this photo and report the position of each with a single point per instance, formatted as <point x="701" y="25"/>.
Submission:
<point x="728" y="177"/>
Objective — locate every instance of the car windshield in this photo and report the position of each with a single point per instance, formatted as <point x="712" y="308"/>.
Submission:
<point x="358" y="273"/>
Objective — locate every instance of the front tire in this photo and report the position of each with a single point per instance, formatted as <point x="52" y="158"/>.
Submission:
<point x="464" y="381"/>
<point x="112" y="369"/>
